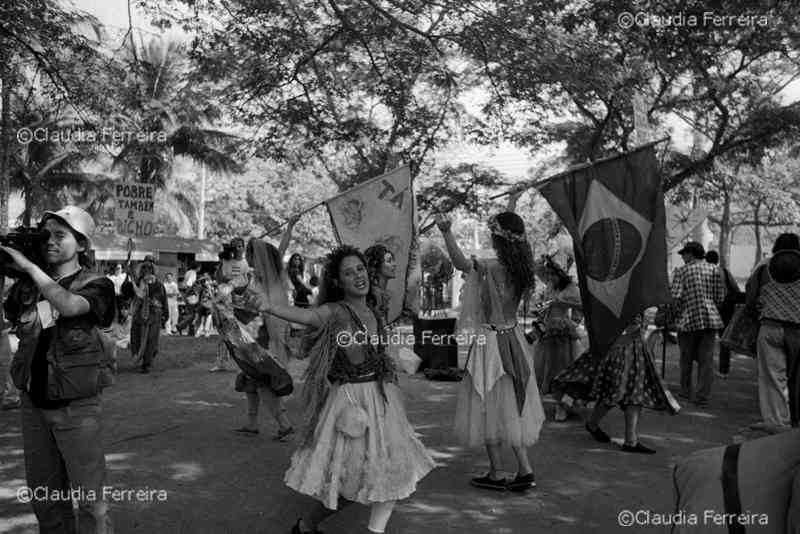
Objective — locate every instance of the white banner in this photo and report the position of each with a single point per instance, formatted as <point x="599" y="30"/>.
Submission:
<point x="383" y="211"/>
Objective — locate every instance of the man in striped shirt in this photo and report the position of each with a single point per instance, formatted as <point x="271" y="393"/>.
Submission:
<point x="698" y="288"/>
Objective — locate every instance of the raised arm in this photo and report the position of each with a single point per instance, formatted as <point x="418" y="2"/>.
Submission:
<point x="453" y="250"/>
<point x="314" y="317"/>
<point x="287" y="235"/>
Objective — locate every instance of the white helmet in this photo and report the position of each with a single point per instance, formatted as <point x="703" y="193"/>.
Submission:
<point x="76" y="218"/>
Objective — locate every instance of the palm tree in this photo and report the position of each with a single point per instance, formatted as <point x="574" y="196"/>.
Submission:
<point x="47" y="173"/>
<point x="171" y="120"/>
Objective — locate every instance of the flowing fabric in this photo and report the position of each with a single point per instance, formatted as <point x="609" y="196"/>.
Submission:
<point x="257" y="342"/>
<point x="385" y="463"/>
<point x="625" y="376"/>
<point x="498" y="400"/>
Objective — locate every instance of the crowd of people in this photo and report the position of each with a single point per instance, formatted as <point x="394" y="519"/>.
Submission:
<point x="356" y="444"/>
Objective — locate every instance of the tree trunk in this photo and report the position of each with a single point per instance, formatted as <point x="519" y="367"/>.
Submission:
<point x="725" y="231"/>
<point x="757" y="232"/>
<point x="5" y="136"/>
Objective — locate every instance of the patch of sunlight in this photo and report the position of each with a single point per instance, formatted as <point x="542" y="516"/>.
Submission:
<point x="8" y="435"/>
<point x="565" y="519"/>
<point x="16" y="522"/>
<point x="679" y="439"/>
<point x="119" y="456"/>
<point x="187" y="472"/>
<point x="9" y="489"/>
<point x="429" y="508"/>
<point x="206" y="404"/>
<point x="440" y="455"/>
<point x="705" y="415"/>
<point x="483" y="516"/>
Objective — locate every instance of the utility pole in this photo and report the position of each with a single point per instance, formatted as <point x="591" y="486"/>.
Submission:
<point x="201" y="226"/>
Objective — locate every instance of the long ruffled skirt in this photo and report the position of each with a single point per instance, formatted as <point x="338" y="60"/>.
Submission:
<point x="625" y="376"/>
<point x="385" y="464"/>
<point x="495" y="418"/>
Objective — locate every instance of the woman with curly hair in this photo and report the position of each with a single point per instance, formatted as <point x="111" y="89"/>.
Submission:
<point x="498" y="400"/>
<point x="358" y="445"/>
<point x="559" y="345"/>
<point x="382" y="268"/>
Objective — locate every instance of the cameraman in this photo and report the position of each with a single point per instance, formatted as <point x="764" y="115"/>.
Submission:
<point x="61" y="412"/>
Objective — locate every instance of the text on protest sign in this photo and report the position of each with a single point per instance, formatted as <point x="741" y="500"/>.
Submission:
<point x="135" y="211"/>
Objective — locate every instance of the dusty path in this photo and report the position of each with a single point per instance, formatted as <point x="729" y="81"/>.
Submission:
<point x="171" y="431"/>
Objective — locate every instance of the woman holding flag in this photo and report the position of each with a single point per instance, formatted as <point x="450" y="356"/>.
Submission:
<point x="498" y="400"/>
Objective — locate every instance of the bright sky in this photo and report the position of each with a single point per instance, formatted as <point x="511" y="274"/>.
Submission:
<point x="506" y="157"/>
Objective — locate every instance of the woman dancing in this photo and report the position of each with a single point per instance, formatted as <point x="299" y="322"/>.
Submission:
<point x="358" y="445"/>
<point x="498" y="400"/>
<point x="626" y="377"/>
<point x="558" y="346"/>
<point x="269" y="282"/>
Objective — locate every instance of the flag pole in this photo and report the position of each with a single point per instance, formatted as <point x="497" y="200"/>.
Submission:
<point x="284" y="223"/>
<point x="356" y="186"/>
<point x="575" y="168"/>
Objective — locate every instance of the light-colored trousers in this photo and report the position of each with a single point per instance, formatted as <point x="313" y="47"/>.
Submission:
<point x="8" y="392"/>
<point x="773" y="381"/>
<point x="172" y="321"/>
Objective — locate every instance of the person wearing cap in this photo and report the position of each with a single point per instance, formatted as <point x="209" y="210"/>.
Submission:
<point x="150" y="313"/>
<point x="773" y="293"/>
<point x="56" y="309"/>
<point x="698" y="289"/>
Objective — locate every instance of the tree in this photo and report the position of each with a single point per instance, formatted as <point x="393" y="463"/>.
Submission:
<point x="357" y="87"/>
<point x="759" y="194"/>
<point x="723" y="80"/>
<point x="47" y="52"/>
<point x="164" y="117"/>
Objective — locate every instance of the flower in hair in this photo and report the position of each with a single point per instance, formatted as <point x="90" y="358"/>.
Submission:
<point x="496" y="229"/>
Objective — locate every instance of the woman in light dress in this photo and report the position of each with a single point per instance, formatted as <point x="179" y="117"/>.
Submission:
<point x="498" y="400"/>
<point x="358" y="445"/>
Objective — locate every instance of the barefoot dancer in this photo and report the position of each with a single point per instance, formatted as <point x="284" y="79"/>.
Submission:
<point x="498" y="400"/>
<point x="358" y="445"/>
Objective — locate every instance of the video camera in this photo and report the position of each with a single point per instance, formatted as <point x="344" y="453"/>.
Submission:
<point x="29" y="241"/>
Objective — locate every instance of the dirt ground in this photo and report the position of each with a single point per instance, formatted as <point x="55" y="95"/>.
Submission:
<point x="170" y="433"/>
